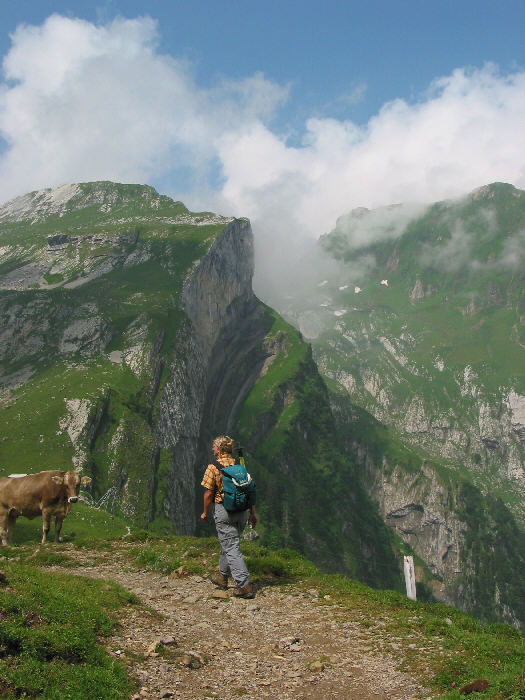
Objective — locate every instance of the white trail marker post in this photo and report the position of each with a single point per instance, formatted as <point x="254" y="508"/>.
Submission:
<point x="410" y="577"/>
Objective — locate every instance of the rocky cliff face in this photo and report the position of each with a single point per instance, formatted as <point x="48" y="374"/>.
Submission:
<point x="216" y="294"/>
<point x="421" y="508"/>
<point x="460" y="420"/>
<point x="461" y="538"/>
<point x="67" y="253"/>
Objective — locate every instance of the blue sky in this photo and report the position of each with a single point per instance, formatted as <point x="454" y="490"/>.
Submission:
<point x="290" y="112"/>
<point x="326" y="50"/>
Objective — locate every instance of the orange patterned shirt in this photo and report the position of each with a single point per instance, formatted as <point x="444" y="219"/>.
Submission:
<point x="212" y="479"/>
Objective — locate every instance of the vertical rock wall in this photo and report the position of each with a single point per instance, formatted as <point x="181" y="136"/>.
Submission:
<point x="214" y="296"/>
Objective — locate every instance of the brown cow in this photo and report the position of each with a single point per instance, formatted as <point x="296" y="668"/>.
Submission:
<point x="47" y="493"/>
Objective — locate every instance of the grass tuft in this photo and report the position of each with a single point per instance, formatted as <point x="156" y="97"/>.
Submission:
<point x="49" y="636"/>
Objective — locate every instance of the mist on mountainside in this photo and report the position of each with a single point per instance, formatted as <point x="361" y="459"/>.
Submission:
<point x="295" y="270"/>
<point x="292" y="269"/>
<point x="416" y="318"/>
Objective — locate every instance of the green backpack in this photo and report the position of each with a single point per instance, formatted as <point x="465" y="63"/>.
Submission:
<point x="238" y="487"/>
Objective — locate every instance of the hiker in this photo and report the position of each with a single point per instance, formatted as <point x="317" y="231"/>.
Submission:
<point x="229" y="524"/>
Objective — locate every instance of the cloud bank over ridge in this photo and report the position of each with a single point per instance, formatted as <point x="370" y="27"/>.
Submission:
<point x="82" y="102"/>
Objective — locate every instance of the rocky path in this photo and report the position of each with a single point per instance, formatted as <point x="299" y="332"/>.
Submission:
<point x="197" y="642"/>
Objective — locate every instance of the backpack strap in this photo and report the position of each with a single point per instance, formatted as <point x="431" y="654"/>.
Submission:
<point x="219" y="466"/>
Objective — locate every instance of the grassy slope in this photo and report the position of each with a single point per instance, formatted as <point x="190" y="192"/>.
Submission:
<point x="54" y="626"/>
<point x="30" y="417"/>
<point x="487" y="339"/>
<point x="436" y="328"/>
<point x="441" y="646"/>
<point x="46" y="652"/>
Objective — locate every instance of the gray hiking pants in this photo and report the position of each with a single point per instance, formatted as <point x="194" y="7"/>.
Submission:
<point x="229" y="530"/>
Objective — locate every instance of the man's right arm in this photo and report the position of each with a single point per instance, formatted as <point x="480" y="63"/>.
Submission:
<point x="208" y="500"/>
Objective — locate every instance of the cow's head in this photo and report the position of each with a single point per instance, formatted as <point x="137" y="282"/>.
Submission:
<point x="72" y="482"/>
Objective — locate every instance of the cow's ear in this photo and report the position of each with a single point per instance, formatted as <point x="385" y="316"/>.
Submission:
<point x="85" y="480"/>
<point x="57" y="479"/>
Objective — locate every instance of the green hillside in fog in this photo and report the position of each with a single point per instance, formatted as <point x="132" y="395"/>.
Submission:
<point x="417" y="322"/>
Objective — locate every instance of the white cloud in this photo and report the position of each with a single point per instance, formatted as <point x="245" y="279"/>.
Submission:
<point x="83" y="102"/>
<point x="466" y="132"/>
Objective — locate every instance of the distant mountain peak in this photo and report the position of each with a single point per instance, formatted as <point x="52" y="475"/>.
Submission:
<point x="105" y="194"/>
<point x="493" y="189"/>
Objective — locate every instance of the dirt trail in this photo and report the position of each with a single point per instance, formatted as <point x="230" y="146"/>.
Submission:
<point x="282" y="645"/>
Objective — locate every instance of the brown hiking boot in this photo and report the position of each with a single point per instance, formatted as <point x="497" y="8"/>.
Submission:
<point x="219" y="580"/>
<point x="244" y="592"/>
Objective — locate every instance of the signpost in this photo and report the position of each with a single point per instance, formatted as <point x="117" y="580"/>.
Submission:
<point x="410" y="577"/>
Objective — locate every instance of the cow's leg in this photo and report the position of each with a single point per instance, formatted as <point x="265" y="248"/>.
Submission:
<point x="58" y="526"/>
<point x="46" y="525"/>
<point x="11" y="522"/>
<point x="4" y="527"/>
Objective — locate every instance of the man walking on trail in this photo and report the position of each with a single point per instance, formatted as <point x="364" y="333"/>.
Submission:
<point x="229" y="525"/>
